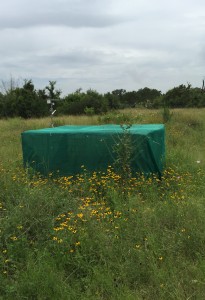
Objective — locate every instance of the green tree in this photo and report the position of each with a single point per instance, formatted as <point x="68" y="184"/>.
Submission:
<point x="23" y="101"/>
<point x="112" y="100"/>
<point x="52" y="92"/>
<point x="120" y="94"/>
<point x="92" y="99"/>
<point x="146" y="96"/>
<point x="78" y="102"/>
<point x="184" y="96"/>
<point x="29" y="104"/>
<point x="130" y="99"/>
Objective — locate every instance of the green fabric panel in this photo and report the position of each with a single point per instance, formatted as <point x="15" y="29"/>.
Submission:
<point x="65" y="149"/>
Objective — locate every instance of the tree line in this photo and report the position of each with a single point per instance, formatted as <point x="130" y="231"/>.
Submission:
<point x="27" y="102"/>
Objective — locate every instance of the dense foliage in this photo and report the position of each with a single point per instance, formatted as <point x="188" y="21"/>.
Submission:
<point x="27" y="102"/>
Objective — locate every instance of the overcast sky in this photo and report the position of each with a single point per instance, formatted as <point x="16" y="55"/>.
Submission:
<point x="103" y="44"/>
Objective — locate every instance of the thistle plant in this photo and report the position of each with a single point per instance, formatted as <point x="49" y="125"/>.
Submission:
<point x="123" y="151"/>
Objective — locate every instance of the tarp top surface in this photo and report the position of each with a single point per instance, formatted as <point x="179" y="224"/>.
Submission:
<point x="110" y="128"/>
<point x="65" y="149"/>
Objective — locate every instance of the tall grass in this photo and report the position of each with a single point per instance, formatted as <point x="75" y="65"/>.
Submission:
<point x="90" y="238"/>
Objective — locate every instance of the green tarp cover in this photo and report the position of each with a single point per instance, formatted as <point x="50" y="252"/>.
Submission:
<point x="65" y="149"/>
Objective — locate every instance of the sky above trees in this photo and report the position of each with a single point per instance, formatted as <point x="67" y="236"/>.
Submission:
<point x="103" y="45"/>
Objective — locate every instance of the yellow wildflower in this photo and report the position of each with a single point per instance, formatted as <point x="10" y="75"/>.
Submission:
<point x="80" y="215"/>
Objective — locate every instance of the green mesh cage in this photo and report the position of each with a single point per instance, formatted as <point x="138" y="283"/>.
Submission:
<point x="65" y="149"/>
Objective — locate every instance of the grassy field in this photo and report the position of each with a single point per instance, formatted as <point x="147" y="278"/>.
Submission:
<point x="91" y="237"/>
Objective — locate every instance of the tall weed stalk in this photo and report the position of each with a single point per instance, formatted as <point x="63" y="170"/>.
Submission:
<point x="123" y="150"/>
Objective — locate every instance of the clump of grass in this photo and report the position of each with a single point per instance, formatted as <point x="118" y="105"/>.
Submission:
<point x="166" y="114"/>
<point x="118" y="117"/>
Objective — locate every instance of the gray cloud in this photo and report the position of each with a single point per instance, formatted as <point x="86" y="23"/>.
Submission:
<point x="103" y="44"/>
<point x="70" y="19"/>
<point x="57" y="13"/>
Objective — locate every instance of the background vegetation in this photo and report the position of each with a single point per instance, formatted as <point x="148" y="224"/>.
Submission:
<point x="25" y="101"/>
<point x="92" y="237"/>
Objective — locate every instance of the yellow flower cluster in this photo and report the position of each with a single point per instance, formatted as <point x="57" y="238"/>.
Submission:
<point x="70" y="225"/>
<point x="171" y="184"/>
